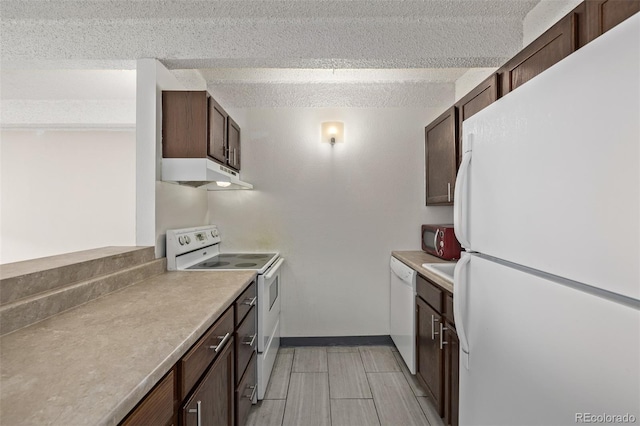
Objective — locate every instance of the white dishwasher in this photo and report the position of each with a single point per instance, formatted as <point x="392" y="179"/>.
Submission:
<point x="402" y="311"/>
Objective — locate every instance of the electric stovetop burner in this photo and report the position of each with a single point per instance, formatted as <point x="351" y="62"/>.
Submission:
<point x="235" y="261"/>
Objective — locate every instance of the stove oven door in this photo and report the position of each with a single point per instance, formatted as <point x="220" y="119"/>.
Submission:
<point x="269" y="294"/>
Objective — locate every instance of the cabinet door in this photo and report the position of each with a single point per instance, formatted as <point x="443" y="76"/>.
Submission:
<point x="233" y="133"/>
<point x="555" y="44"/>
<point x="452" y="376"/>
<point x="479" y="98"/>
<point x="184" y="124"/>
<point x="440" y="158"/>
<point x="212" y="402"/>
<point x="157" y="408"/>
<point x="429" y="357"/>
<point x="217" y="132"/>
<point x="602" y="15"/>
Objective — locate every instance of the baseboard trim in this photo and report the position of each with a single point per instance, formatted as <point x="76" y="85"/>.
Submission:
<point x="337" y="341"/>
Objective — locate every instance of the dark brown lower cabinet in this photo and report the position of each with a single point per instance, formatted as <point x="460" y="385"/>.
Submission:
<point x="158" y="407"/>
<point x="214" y="382"/>
<point x="430" y="357"/>
<point x="212" y="401"/>
<point x="246" y="391"/>
<point x="452" y="375"/>
<point x="437" y="348"/>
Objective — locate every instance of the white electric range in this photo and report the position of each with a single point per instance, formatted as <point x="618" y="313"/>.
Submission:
<point x="198" y="249"/>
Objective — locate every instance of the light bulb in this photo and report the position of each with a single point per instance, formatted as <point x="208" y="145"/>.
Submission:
<point x="223" y="184"/>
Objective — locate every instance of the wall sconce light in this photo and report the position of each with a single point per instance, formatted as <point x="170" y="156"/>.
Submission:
<point x="332" y="132"/>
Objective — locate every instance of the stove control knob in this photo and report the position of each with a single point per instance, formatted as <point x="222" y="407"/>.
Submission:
<point x="187" y="239"/>
<point x="181" y="240"/>
<point x="213" y="234"/>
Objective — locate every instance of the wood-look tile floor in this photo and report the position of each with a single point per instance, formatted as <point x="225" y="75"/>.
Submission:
<point x="343" y="386"/>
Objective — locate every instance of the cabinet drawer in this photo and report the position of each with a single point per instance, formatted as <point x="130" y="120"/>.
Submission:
<point x="429" y="292"/>
<point x="246" y="342"/>
<point x="448" y="308"/>
<point x="157" y="407"/>
<point x="245" y="302"/>
<point x="196" y="361"/>
<point x="245" y="392"/>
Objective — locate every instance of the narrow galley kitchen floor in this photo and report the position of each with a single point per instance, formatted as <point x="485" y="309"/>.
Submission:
<point x="343" y="386"/>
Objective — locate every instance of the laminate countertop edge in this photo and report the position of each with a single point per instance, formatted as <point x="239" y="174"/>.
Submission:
<point x="415" y="259"/>
<point x="94" y="363"/>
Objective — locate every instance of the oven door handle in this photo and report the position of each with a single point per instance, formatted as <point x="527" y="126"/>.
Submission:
<point x="274" y="269"/>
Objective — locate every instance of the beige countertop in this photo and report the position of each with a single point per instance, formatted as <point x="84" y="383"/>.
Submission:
<point x="415" y="259"/>
<point x="92" y="364"/>
<point x="11" y="270"/>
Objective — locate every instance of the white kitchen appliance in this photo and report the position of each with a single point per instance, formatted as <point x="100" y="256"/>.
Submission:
<point x="547" y="199"/>
<point x="198" y="249"/>
<point x="402" y="311"/>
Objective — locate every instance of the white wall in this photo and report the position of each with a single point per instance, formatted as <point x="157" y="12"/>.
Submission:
<point x="64" y="191"/>
<point x="334" y="212"/>
<point x="178" y="206"/>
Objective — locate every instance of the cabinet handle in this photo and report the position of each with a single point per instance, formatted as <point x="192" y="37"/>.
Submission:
<point x="434" y="333"/>
<point x="253" y="388"/>
<point x="222" y="342"/>
<point x="235" y="162"/>
<point x="253" y="339"/>
<point x="449" y="191"/>
<point x="198" y="411"/>
<point x="442" y="342"/>
<point x="250" y="302"/>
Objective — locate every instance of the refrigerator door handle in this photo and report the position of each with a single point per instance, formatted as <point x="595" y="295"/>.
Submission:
<point x="459" y="299"/>
<point x="459" y="222"/>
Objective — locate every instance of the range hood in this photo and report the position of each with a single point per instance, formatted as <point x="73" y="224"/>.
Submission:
<point x="201" y="173"/>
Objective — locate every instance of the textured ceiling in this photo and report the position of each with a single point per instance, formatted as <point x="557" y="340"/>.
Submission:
<point x="275" y="52"/>
<point x="276" y="33"/>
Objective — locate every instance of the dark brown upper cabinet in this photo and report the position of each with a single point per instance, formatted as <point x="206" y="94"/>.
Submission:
<point x="233" y="135"/>
<point x="194" y="125"/>
<point x="589" y="20"/>
<point x="441" y="142"/>
<point x="217" y="132"/>
<point x="479" y="98"/>
<point x="184" y="124"/>
<point x="556" y="43"/>
<point x="602" y="15"/>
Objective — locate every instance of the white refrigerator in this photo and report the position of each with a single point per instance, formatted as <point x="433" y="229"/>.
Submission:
<point x="547" y="296"/>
